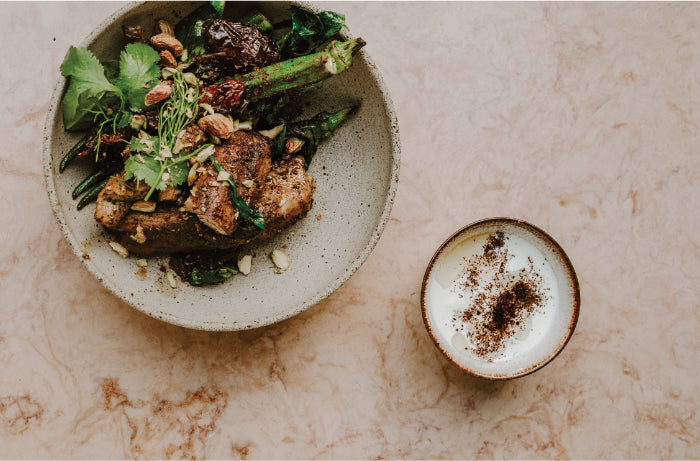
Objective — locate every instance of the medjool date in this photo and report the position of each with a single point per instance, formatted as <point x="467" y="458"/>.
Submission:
<point x="245" y="47"/>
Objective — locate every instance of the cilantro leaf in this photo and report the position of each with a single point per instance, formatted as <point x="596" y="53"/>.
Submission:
<point x="137" y="67"/>
<point x="86" y="90"/>
<point x="148" y="171"/>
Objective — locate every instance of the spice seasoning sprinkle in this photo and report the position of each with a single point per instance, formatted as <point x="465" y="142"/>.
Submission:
<point x="498" y="301"/>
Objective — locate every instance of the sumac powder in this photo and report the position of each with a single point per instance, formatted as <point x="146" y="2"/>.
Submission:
<point x="501" y="301"/>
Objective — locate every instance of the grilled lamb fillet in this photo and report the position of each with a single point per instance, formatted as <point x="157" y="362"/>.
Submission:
<point x="168" y="230"/>
<point x="286" y="196"/>
<point x="108" y="211"/>
<point x="117" y="189"/>
<point x="246" y="157"/>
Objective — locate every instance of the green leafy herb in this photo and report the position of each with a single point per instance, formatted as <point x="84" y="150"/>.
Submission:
<point x="153" y="157"/>
<point x="207" y="277"/>
<point x="189" y="29"/>
<point x="309" y="30"/>
<point x="239" y="204"/>
<point x="88" y="92"/>
<point x="138" y="72"/>
<point x="107" y="94"/>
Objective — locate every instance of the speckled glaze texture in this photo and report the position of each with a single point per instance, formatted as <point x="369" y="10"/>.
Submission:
<point x="577" y="117"/>
<point x="355" y="173"/>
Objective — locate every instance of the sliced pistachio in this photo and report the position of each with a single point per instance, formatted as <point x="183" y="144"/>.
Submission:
<point x="248" y="183"/>
<point x="143" y="262"/>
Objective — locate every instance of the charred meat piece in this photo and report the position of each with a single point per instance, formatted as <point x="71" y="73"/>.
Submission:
<point x="168" y="230"/>
<point x="286" y="196"/>
<point x="117" y="189"/>
<point x="245" y="48"/>
<point x="190" y="139"/>
<point x="169" y="194"/>
<point x="108" y="211"/>
<point x="133" y="34"/>
<point x="246" y="157"/>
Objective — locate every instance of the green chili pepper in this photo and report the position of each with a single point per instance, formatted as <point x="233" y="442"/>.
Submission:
<point x="94" y="178"/>
<point x="92" y="194"/>
<point x="75" y="150"/>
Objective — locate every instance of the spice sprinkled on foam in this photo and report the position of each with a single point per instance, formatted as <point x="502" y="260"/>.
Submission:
<point x="498" y="301"/>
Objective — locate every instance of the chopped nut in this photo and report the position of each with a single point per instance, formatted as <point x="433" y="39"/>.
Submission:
<point x="163" y="42"/>
<point x="164" y="27"/>
<point x="248" y="183"/>
<point x="192" y="175"/>
<point x="157" y="94"/>
<point x="165" y="151"/>
<point x="168" y="72"/>
<point x="167" y="59"/>
<point x="170" y="275"/>
<point x="189" y="96"/>
<point x="246" y="125"/>
<point x="293" y="145"/>
<point x="244" y="264"/>
<point x="280" y="260"/>
<point x="207" y="108"/>
<point x="204" y="154"/>
<point x="215" y="140"/>
<point x="272" y="132"/>
<point x="120" y="250"/>
<point x="142" y="262"/>
<point x="139" y="237"/>
<point x="217" y="125"/>
<point x="223" y="176"/>
<point x="183" y="58"/>
<point x="190" y="78"/>
<point x="165" y="177"/>
<point x="144" y="206"/>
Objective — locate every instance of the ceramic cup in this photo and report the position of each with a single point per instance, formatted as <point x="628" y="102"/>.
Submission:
<point x="500" y="298"/>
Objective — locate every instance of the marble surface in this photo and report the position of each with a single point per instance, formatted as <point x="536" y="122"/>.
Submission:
<point x="579" y="118"/>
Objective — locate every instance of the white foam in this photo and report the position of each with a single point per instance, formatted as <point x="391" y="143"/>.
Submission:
<point x="537" y="338"/>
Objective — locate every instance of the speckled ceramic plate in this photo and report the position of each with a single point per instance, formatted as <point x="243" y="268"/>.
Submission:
<point x="356" y="174"/>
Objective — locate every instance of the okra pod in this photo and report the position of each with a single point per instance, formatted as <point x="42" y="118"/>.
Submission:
<point x="300" y="72"/>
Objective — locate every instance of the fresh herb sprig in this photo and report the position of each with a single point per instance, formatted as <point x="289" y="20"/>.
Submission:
<point x="154" y="159"/>
<point x="94" y="99"/>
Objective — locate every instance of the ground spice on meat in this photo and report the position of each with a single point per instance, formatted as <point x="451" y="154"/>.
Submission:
<point x="500" y="302"/>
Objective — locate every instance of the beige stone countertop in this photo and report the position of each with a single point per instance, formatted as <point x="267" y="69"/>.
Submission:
<point x="579" y="118"/>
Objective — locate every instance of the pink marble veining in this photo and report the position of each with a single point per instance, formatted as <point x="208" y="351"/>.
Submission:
<point x="579" y="118"/>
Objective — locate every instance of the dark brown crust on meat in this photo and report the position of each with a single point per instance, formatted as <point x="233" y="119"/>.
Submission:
<point x="286" y="197"/>
<point x="246" y="157"/>
<point x="169" y="230"/>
